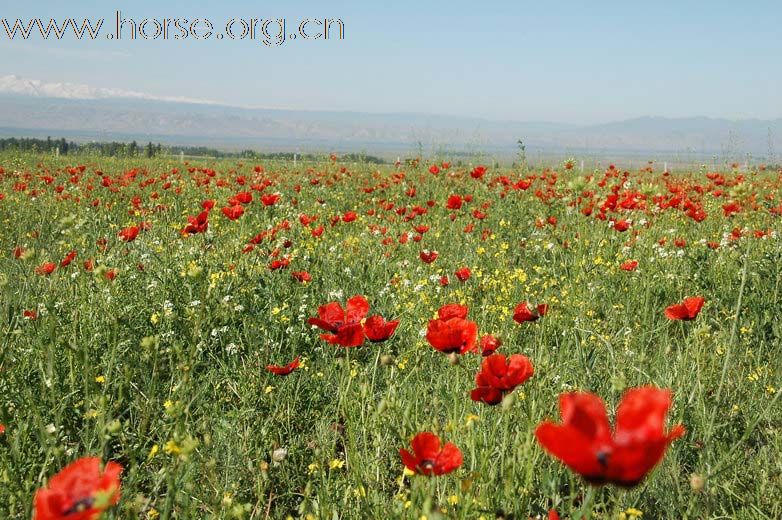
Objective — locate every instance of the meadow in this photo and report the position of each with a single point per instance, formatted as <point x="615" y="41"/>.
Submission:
<point x="146" y="305"/>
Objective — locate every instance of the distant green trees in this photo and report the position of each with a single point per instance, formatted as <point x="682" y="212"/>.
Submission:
<point x="150" y="150"/>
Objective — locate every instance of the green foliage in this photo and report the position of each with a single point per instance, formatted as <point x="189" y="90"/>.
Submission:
<point x="163" y="371"/>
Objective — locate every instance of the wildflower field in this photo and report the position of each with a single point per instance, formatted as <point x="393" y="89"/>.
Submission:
<point x="232" y="339"/>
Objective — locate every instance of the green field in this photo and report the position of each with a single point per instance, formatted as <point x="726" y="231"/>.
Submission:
<point x="152" y="352"/>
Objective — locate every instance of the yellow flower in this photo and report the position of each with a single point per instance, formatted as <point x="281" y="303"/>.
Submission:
<point x="336" y="464"/>
<point x="100" y="379"/>
<point x="172" y="448"/>
<point x="153" y="451"/>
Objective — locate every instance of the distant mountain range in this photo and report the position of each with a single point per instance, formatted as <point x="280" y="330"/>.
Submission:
<point x="79" y="112"/>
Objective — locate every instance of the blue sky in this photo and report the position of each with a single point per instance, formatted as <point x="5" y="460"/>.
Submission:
<point x="576" y="62"/>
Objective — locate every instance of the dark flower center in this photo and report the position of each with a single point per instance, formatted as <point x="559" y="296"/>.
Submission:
<point x="79" y="506"/>
<point x="602" y="457"/>
<point x="427" y="464"/>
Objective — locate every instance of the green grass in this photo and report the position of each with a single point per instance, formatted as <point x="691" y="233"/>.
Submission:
<point x="186" y="406"/>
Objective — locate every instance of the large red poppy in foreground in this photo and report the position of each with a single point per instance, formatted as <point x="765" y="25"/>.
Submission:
<point x="585" y="443"/>
<point x="81" y="491"/>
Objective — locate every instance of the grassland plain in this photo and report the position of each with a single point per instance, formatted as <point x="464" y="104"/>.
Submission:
<point x="149" y="348"/>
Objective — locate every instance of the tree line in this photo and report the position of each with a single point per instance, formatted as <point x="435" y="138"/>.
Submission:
<point x="134" y="149"/>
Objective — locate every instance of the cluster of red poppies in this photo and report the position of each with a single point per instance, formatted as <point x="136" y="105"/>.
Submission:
<point x="584" y="441"/>
<point x="348" y="328"/>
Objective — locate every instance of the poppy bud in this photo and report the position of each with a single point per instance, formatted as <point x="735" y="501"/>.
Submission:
<point x="386" y="359"/>
<point x="697" y="482"/>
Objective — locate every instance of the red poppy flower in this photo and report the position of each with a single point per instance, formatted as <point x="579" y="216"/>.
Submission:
<point x="279" y="264"/>
<point x="523" y="312"/>
<point x="302" y="276"/>
<point x="46" y="268"/>
<point x="428" y="256"/>
<point x="285" y="369"/>
<point x="129" y="234"/>
<point x="489" y="344"/>
<point x="731" y="209"/>
<point x="463" y="274"/>
<point x="233" y="212"/>
<point x="2" y="429"/>
<point x="451" y="331"/>
<point x="350" y="335"/>
<point x="345" y="324"/>
<point x="429" y="457"/>
<point x="434" y="169"/>
<point x="244" y="197"/>
<point x="585" y="443"/>
<point x="499" y="376"/>
<point x="454" y="202"/>
<point x="81" y="491"/>
<point x="478" y="172"/>
<point x="68" y="259"/>
<point x="331" y="316"/>
<point x="630" y="265"/>
<point x="687" y="310"/>
<point x="377" y="328"/>
<point x="621" y="225"/>
<point x="452" y="310"/>
<point x="270" y="199"/>
<point x="200" y="223"/>
<point x="30" y="314"/>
